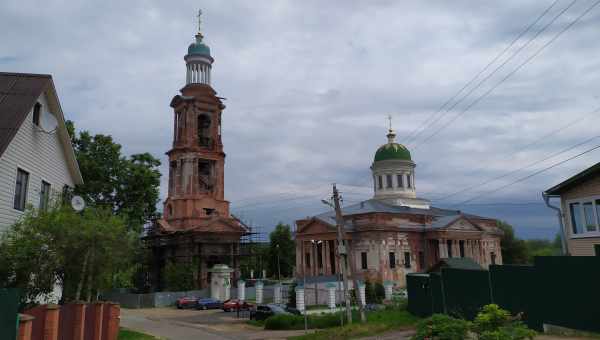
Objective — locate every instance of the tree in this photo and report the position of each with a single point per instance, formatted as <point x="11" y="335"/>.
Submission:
<point x="78" y="251"/>
<point x="282" y="248"/>
<point x="514" y="250"/>
<point x="129" y="187"/>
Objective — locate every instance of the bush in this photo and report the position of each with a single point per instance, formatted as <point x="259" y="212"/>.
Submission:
<point x="284" y="322"/>
<point x="442" y="327"/>
<point x="495" y="323"/>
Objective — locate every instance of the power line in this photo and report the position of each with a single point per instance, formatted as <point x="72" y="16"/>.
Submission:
<point x="422" y="127"/>
<point x="493" y="179"/>
<point x="529" y="59"/>
<point x="529" y="176"/>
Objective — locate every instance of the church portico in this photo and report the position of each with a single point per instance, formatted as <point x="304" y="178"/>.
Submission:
<point x="395" y="232"/>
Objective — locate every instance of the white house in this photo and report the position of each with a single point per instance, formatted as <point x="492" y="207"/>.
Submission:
<point x="37" y="161"/>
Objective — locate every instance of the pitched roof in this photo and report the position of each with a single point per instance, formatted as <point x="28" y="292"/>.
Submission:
<point x="456" y="263"/>
<point x="441" y="217"/>
<point x="570" y="182"/>
<point x="18" y="94"/>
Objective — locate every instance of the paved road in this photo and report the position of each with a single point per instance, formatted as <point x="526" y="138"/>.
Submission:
<point x="173" y="324"/>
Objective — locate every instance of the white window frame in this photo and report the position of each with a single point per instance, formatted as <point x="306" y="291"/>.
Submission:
<point x="569" y="218"/>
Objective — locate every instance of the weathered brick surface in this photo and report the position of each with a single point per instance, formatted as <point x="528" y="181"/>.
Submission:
<point x="72" y="318"/>
<point x="25" y="327"/>
<point x="93" y="321"/>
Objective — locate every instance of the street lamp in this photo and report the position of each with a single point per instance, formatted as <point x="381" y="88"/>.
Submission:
<point x="278" y="265"/>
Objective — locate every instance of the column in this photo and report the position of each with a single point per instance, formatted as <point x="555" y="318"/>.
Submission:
<point x="259" y="292"/>
<point x="331" y="290"/>
<point x="442" y="244"/>
<point x="388" y="286"/>
<point x="209" y="75"/>
<point x="241" y="290"/>
<point x="300" y="298"/>
<point x="277" y="294"/>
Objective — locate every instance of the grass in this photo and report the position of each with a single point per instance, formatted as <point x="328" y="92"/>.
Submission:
<point x="377" y="322"/>
<point x="127" y="334"/>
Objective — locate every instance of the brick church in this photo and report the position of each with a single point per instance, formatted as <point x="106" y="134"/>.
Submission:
<point x="395" y="232"/>
<point x="196" y="227"/>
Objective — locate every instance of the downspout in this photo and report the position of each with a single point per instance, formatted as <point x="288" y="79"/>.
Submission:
<point x="563" y="236"/>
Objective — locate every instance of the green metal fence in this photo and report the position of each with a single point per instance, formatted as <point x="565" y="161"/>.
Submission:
<point x="9" y="305"/>
<point x="562" y="291"/>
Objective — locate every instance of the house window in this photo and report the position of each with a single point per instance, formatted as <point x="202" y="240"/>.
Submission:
<point x="493" y="257"/>
<point x="388" y="181"/>
<point x="576" y="222"/>
<point x="379" y="182"/>
<point x="400" y="181"/>
<point x="461" y="248"/>
<point x="406" y="259"/>
<point x="21" y="189"/>
<point x="590" y="219"/>
<point x="363" y="260"/>
<point x="449" y="246"/>
<point x="36" y="113"/>
<point x="408" y="181"/>
<point x="392" y="260"/>
<point x="307" y="260"/>
<point x="44" y="195"/>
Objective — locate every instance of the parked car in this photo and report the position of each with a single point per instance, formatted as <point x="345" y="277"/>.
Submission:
<point x="262" y="312"/>
<point x="208" y="303"/>
<point x="186" y="302"/>
<point x="234" y="304"/>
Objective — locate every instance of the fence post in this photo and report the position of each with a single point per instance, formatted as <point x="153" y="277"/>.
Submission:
<point x="277" y="294"/>
<point x="25" y="327"/>
<point x="331" y="290"/>
<point x="300" y="298"/>
<point x="387" y="286"/>
<point x="93" y="321"/>
<point x="242" y="290"/>
<point x="110" y="321"/>
<point x="259" y="292"/>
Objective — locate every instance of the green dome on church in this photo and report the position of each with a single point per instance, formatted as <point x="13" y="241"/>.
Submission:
<point x="392" y="151"/>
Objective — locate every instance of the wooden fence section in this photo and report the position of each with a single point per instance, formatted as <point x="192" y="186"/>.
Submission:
<point x="74" y="321"/>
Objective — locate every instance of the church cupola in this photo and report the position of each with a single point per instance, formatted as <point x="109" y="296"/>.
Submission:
<point x="198" y="59"/>
<point x="394" y="174"/>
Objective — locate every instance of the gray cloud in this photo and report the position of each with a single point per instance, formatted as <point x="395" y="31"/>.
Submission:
<point x="309" y="84"/>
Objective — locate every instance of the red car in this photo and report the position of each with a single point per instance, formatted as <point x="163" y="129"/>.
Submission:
<point x="186" y="302"/>
<point x="234" y="304"/>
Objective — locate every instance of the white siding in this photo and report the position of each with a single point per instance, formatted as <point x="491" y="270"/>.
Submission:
<point x="40" y="154"/>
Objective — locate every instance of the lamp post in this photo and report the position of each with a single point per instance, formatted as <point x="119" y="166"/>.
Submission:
<point x="278" y="265"/>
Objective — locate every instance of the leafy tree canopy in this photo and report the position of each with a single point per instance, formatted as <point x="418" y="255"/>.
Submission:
<point x="128" y="186"/>
<point x="281" y="247"/>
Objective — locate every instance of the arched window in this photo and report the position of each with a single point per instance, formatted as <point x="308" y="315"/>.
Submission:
<point x="36" y="113"/>
<point x="408" y="181"/>
<point x="204" y="130"/>
<point x="388" y="181"/>
<point x="380" y="182"/>
<point x="400" y="180"/>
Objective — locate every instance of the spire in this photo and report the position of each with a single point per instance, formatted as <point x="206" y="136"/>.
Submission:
<point x="391" y="134"/>
<point x="199" y="35"/>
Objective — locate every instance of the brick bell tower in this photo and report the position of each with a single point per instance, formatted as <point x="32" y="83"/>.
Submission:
<point x="196" y="227"/>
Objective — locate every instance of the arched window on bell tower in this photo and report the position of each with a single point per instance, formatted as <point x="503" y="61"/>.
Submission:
<point x="203" y="132"/>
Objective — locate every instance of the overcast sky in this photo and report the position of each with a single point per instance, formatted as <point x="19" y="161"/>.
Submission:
<point x="309" y="85"/>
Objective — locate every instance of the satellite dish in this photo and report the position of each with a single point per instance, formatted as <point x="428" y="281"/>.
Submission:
<point x="77" y="203"/>
<point x="48" y="122"/>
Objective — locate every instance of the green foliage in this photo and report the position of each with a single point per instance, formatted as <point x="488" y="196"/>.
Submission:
<point x="442" y="327"/>
<point x="399" y="303"/>
<point x="127" y="334"/>
<point x="129" y="187"/>
<point x="514" y="250"/>
<point x="80" y="251"/>
<point x="179" y="276"/>
<point x="283" y="248"/>
<point x="494" y="323"/>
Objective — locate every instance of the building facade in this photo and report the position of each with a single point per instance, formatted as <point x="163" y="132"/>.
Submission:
<point x="395" y="232"/>
<point x="37" y="162"/>
<point x="579" y="211"/>
<point x="196" y="227"/>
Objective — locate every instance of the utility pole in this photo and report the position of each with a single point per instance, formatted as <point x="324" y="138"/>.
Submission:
<point x="341" y="250"/>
